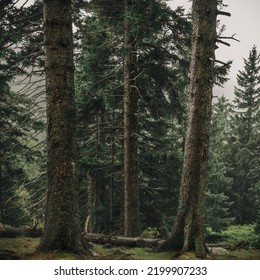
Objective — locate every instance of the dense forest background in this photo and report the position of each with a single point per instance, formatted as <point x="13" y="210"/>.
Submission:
<point x="162" y="57"/>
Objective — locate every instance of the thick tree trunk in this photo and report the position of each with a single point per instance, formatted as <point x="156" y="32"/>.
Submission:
<point x="131" y="188"/>
<point x="188" y="231"/>
<point x="62" y="228"/>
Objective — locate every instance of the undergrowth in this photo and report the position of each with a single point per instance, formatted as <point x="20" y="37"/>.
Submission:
<point x="241" y="236"/>
<point x="241" y="241"/>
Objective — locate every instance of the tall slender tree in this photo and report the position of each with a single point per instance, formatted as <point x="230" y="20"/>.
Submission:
<point x="218" y="203"/>
<point x="100" y="88"/>
<point x="188" y="233"/>
<point x="62" y="228"/>
<point x="131" y="188"/>
<point x="244" y="140"/>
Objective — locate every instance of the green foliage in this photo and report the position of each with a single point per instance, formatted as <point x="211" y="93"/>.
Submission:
<point x="161" y="82"/>
<point x="151" y="232"/>
<point x="20" y="124"/>
<point x="241" y="236"/>
<point x="244" y="141"/>
<point x="162" y="40"/>
<point x="218" y="203"/>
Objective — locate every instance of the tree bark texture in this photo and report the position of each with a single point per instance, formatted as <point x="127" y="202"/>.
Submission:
<point x="89" y="224"/>
<point x="2" y="220"/>
<point x="131" y="188"/>
<point x="62" y="228"/>
<point x="188" y="231"/>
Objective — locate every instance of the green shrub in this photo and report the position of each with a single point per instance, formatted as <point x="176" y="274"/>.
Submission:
<point x="151" y="232"/>
<point x="241" y="236"/>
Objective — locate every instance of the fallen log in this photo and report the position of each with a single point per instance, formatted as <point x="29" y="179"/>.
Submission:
<point x="16" y="232"/>
<point x="210" y="245"/>
<point x="131" y="241"/>
<point x="121" y="240"/>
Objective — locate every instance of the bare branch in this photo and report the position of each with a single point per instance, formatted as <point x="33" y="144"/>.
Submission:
<point x="222" y="42"/>
<point x="230" y="37"/>
<point x="220" y="62"/>
<point x="223" y="13"/>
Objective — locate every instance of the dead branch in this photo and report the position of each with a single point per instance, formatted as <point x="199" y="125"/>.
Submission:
<point x="221" y="62"/>
<point x="223" y="13"/>
<point x="223" y="42"/>
<point x="229" y="37"/>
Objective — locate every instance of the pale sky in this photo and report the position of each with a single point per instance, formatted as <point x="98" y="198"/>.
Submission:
<point x="244" y="21"/>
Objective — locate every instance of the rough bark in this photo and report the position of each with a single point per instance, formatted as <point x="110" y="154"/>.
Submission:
<point x="89" y="224"/>
<point x="1" y="196"/>
<point x="62" y="229"/>
<point x="131" y="189"/>
<point x="187" y="232"/>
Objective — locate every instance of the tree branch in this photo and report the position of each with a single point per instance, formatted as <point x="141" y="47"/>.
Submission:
<point x="223" y="13"/>
<point x="229" y="37"/>
<point x="220" y="62"/>
<point x="222" y="42"/>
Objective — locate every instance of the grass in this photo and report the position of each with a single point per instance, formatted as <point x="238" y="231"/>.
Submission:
<point x="239" y="239"/>
<point x="131" y="253"/>
<point x="20" y="246"/>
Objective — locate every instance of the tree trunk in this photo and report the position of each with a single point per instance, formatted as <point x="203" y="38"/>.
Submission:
<point x="89" y="224"/>
<point x="62" y="228"/>
<point x="1" y="196"/>
<point x="188" y="231"/>
<point x="131" y="191"/>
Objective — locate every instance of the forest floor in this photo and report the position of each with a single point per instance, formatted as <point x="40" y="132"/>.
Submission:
<point x="24" y="248"/>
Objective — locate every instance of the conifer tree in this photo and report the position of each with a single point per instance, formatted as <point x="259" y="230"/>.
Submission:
<point x="162" y="66"/>
<point x="188" y="232"/>
<point x="62" y="225"/>
<point x="244" y="140"/>
<point x="218" y="203"/>
<point x="20" y="122"/>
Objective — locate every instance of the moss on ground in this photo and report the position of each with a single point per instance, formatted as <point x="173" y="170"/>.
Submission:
<point x="25" y="247"/>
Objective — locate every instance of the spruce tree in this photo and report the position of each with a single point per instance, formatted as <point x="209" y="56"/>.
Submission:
<point x="218" y="203"/>
<point x="62" y="224"/>
<point x="20" y="122"/>
<point x="244" y="140"/>
<point x="161" y="81"/>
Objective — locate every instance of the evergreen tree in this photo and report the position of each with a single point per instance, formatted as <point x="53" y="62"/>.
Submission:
<point x="218" y="203"/>
<point x="188" y="233"/>
<point x="244" y="141"/>
<point x="62" y="226"/>
<point x="20" y="124"/>
<point x="161" y="86"/>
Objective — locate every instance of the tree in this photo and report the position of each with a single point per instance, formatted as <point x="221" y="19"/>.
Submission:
<point x="20" y="122"/>
<point x="244" y="141"/>
<point x="62" y="227"/>
<point x="188" y="232"/>
<point x="99" y="97"/>
<point x="219" y="182"/>
<point x="131" y="187"/>
<point x="162" y="37"/>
